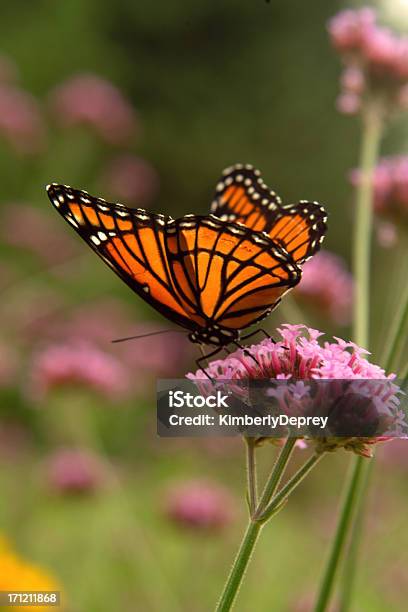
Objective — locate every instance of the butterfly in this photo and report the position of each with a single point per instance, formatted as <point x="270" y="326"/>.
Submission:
<point x="212" y="276"/>
<point x="242" y="196"/>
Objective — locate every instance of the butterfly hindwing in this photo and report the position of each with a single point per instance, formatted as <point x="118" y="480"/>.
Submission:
<point x="242" y="196"/>
<point x="235" y="274"/>
<point x="300" y="228"/>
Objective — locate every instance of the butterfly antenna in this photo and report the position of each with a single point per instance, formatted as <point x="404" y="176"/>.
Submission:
<point x="164" y="331"/>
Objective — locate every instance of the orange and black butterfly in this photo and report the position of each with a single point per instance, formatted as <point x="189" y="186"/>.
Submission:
<point x="213" y="276"/>
<point x="242" y="196"/>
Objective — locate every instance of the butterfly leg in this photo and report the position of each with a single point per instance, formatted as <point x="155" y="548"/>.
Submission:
<point x="205" y="358"/>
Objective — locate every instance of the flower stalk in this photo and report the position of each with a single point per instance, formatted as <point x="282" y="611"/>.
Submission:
<point x="252" y="490"/>
<point x="281" y="497"/>
<point x="260" y="516"/>
<point x="371" y="138"/>
<point x="397" y="335"/>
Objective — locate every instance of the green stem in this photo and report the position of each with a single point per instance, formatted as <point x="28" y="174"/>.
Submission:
<point x="239" y="567"/>
<point x="371" y="137"/>
<point x="251" y="535"/>
<point x="398" y="333"/>
<point x="395" y="341"/>
<point x="346" y="515"/>
<point x="252" y="490"/>
<point x="349" y="574"/>
<point x="290" y="486"/>
<point x="276" y="474"/>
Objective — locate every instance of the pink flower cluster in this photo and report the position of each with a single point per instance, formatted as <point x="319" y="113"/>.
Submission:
<point x="199" y="504"/>
<point x="31" y="228"/>
<point x="390" y="183"/>
<point x="327" y="284"/>
<point x="21" y="122"/>
<point x="75" y="471"/>
<point x="375" y="59"/>
<point x="93" y="101"/>
<point x="299" y="355"/>
<point x="78" y="364"/>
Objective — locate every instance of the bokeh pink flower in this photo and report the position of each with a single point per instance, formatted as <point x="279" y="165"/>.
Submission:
<point x="375" y="60"/>
<point x="30" y="228"/>
<point x="78" y="365"/>
<point x="328" y="286"/>
<point x="390" y="184"/>
<point x="101" y="321"/>
<point x="72" y="470"/>
<point x="87" y="99"/>
<point x="200" y="505"/>
<point x="21" y="121"/>
<point x="131" y="179"/>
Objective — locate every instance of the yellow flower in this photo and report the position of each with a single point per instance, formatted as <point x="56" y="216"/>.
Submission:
<point x="16" y="574"/>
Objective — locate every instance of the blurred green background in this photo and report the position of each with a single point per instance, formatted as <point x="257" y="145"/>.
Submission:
<point x="202" y="85"/>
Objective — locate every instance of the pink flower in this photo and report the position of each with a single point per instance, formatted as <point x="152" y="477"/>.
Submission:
<point x="79" y="364"/>
<point x="100" y="322"/>
<point x="200" y="504"/>
<point x="75" y="471"/>
<point x="352" y="80"/>
<point x="390" y="183"/>
<point x="348" y="103"/>
<point x="387" y="235"/>
<point x="21" y="122"/>
<point x="380" y="49"/>
<point x="27" y="227"/>
<point x="300" y="355"/>
<point x="348" y="28"/>
<point x="327" y="284"/>
<point x="375" y="60"/>
<point x="131" y="179"/>
<point x="91" y="100"/>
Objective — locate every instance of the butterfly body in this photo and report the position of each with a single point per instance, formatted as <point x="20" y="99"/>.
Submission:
<point x="214" y="275"/>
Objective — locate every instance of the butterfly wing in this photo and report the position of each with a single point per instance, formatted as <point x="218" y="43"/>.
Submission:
<point x="131" y="242"/>
<point x="242" y="196"/>
<point x="208" y="275"/>
<point x="235" y="275"/>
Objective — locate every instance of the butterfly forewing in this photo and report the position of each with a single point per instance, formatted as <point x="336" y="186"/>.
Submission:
<point x="130" y="241"/>
<point x="235" y="274"/>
